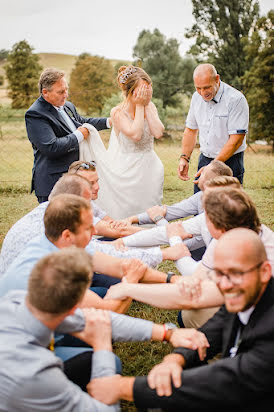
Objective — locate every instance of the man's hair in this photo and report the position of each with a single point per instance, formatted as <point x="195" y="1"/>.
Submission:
<point x="64" y="212"/>
<point x="48" y="77"/>
<point x="71" y="184"/>
<point x="228" y="208"/>
<point x="219" y="168"/>
<point x="81" y="165"/>
<point x="58" y="281"/>
<point x="221" y="181"/>
<point x="205" y="68"/>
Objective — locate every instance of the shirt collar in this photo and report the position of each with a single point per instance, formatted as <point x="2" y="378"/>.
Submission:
<point x="244" y="316"/>
<point x="218" y="96"/>
<point x="58" y="108"/>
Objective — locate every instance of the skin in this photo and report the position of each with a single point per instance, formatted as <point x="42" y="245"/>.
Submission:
<point x="207" y="85"/>
<point x="138" y="106"/>
<point x="238" y="249"/>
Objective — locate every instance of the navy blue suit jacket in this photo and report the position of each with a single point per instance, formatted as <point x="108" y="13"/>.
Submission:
<point x="54" y="145"/>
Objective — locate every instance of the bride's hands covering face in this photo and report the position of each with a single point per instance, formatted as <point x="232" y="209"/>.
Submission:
<point x="142" y="94"/>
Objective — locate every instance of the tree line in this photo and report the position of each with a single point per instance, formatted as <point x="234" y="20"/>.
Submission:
<point x="230" y="34"/>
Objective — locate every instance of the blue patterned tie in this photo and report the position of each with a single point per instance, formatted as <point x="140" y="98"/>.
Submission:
<point x="67" y="119"/>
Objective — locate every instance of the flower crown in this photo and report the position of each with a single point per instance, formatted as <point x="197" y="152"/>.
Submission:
<point x="126" y="74"/>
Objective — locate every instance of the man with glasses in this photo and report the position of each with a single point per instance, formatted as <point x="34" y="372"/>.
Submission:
<point x="242" y="330"/>
<point x="55" y="131"/>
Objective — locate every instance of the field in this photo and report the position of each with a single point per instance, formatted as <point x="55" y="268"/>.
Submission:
<point x="15" y="174"/>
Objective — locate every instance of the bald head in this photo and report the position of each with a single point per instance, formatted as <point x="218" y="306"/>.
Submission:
<point x="205" y="69"/>
<point x="248" y="244"/>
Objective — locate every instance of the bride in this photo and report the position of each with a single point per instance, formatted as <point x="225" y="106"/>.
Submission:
<point x="130" y="172"/>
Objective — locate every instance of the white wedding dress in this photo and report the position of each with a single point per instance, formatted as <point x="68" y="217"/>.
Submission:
<point x="131" y="175"/>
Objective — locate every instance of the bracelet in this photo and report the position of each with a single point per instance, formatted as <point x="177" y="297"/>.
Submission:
<point x="169" y="276"/>
<point x="184" y="156"/>
<point x="165" y="331"/>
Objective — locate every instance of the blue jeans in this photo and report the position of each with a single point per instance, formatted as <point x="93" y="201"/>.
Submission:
<point x="235" y="162"/>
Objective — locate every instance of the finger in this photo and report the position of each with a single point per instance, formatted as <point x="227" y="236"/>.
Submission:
<point x="195" y="182"/>
<point x="176" y="377"/>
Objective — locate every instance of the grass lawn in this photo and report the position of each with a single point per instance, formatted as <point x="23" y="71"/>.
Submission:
<point x="15" y="200"/>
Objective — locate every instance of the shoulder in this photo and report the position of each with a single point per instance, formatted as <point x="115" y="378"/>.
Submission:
<point x="70" y="106"/>
<point x="232" y="95"/>
<point x="115" y="111"/>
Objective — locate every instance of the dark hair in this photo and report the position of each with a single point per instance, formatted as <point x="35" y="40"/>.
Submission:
<point x="64" y="212"/>
<point x="58" y="281"/>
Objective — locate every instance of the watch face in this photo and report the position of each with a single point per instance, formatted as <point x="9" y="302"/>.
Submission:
<point x="170" y="325"/>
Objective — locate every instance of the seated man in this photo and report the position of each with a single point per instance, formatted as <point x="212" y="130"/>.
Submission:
<point x="161" y="215"/>
<point x="104" y="224"/>
<point x="196" y="226"/>
<point x="32" y="225"/>
<point x="243" y="330"/>
<point x="31" y="376"/>
<point x="225" y="209"/>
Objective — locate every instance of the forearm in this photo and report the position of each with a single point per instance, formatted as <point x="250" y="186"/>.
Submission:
<point x="108" y="265"/>
<point x="189" y="141"/>
<point x="233" y="143"/>
<point x="137" y="126"/>
<point x="154" y="276"/>
<point x="155" y="125"/>
<point x="92" y="300"/>
<point x="150" y="237"/>
<point x="163" y="296"/>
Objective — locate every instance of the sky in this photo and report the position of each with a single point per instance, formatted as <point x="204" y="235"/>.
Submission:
<point x="108" y="28"/>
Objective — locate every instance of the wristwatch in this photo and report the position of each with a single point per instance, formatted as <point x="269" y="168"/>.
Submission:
<point x="168" y="326"/>
<point x="169" y="276"/>
<point x="157" y="218"/>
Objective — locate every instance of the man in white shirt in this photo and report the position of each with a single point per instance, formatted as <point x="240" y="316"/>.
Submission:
<point x="220" y="114"/>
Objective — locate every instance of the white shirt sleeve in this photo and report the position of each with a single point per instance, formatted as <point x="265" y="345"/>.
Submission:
<point x="191" y="122"/>
<point x="238" y="117"/>
<point x="149" y="237"/>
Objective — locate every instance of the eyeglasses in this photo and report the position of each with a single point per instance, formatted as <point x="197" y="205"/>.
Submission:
<point x="86" y="165"/>
<point x="233" y="276"/>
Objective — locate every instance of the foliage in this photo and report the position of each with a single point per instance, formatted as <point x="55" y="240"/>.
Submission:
<point x="3" y="54"/>
<point x="22" y="71"/>
<point x="1" y="80"/>
<point x="91" y="82"/>
<point x="160" y="58"/>
<point x="221" y="26"/>
<point x="258" y="79"/>
<point x="111" y="102"/>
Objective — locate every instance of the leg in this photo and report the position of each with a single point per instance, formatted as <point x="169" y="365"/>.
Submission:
<point x="203" y="161"/>
<point x="236" y="163"/>
<point x="103" y="281"/>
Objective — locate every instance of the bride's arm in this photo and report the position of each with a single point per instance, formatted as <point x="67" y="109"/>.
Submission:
<point x="155" y="125"/>
<point x="131" y="129"/>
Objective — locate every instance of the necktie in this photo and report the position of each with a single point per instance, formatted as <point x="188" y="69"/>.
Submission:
<point x="67" y="119"/>
<point x="51" y="344"/>
<point x="239" y="327"/>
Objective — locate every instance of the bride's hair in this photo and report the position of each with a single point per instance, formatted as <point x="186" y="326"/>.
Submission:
<point x="129" y="76"/>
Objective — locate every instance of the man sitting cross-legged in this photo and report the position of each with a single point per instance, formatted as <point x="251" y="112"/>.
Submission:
<point x="32" y="378"/>
<point x="225" y="209"/>
<point x="104" y="224"/>
<point x="242" y="330"/>
<point x="32" y="225"/>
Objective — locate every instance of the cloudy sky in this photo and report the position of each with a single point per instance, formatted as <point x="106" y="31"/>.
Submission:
<point x="108" y="28"/>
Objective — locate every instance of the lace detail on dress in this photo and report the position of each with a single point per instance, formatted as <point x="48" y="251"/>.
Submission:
<point x="145" y="144"/>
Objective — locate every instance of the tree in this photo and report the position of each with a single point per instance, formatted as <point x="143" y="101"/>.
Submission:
<point x="22" y="71"/>
<point x="258" y="79"/>
<point x="221" y="26"/>
<point x="92" y="81"/>
<point x="160" y="58"/>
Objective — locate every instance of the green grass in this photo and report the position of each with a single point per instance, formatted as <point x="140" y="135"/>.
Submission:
<point x="15" y="199"/>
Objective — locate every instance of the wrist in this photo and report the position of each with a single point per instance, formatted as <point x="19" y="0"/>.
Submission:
<point x="168" y="330"/>
<point x="185" y="157"/>
<point x="157" y="218"/>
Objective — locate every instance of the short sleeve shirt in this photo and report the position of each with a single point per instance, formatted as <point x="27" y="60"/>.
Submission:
<point x="216" y="120"/>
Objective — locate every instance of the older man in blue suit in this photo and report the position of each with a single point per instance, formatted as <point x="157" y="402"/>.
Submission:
<point x="55" y="130"/>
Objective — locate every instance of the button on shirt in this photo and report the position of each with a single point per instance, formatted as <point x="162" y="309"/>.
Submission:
<point x="216" y="120"/>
